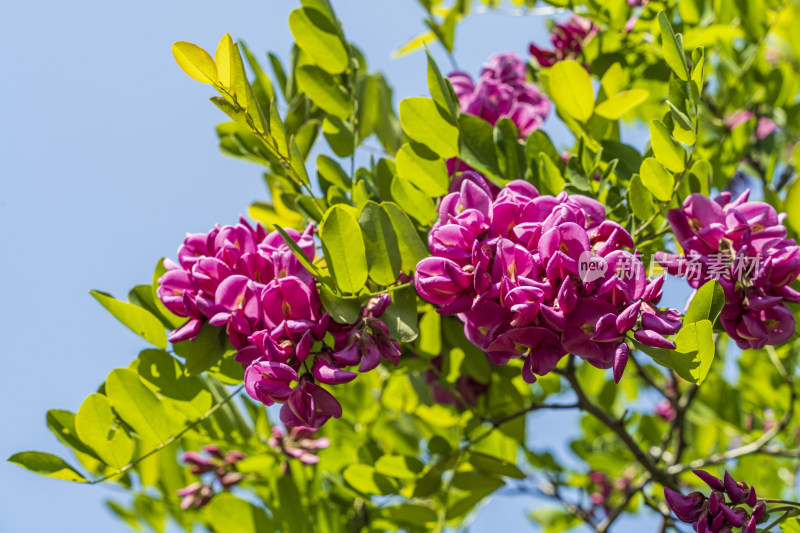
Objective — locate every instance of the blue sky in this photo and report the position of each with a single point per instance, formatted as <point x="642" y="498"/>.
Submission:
<point x="108" y="158"/>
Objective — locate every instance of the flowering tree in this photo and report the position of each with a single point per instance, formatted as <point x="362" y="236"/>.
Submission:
<point x="364" y="353"/>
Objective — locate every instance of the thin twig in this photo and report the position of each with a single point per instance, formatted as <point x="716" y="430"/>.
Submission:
<point x="170" y="440"/>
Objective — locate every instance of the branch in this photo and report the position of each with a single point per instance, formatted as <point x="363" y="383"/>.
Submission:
<point x="617" y="511"/>
<point x="757" y="446"/>
<point x="170" y="440"/>
<point x="617" y="427"/>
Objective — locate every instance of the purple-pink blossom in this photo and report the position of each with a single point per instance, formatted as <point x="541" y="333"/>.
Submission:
<point x="298" y="443"/>
<point x="502" y="91"/>
<point x="725" y="509"/>
<point x="538" y="277"/>
<point x="250" y="282"/>
<point x="743" y="245"/>
<point x="568" y="41"/>
<point x="215" y="461"/>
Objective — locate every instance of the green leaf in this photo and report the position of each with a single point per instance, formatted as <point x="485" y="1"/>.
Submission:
<point x="401" y="316"/>
<point x="339" y="135"/>
<point x="229" y="514"/>
<point x="47" y="465"/>
<point x="317" y="36"/>
<point x="550" y="179"/>
<point x="694" y="351"/>
<point x="665" y="148"/>
<point x="554" y="520"/>
<point x="640" y="199"/>
<point x="226" y="63"/>
<point x="657" y="179"/>
<point x="413" y="201"/>
<point x="96" y="427"/>
<point x="205" y="351"/>
<point x="298" y="252"/>
<point x="619" y="104"/>
<point x="413" y="513"/>
<point x="341" y="309"/>
<point x="791" y="526"/>
<point x="324" y="91"/>
<point x="366" y="480"/>
<point x="672" y="49"/>
<point x="571" y="89"/>
<point x="793" y="197"/>
<point x="330" y="171"/>
<point x="344" y="249"/>
<point x="412" y="249"/>
<point x="195" y="62"/>
<point x="138" y="320"/>
<point x="422" y="167"/>
<point x="383" y="255"/>
<point x="422" y="120"/>
<point x="440" y="88"/>
<point x="399" y="466"/>
<point x="614" y="79"/>
<point x="62" y="425"/>
<point x="137" y="405"/>
<point x="706" y="303"/>
<point x="510" y="153"/>
<point x="488" y="463"/>
<point x="164" y="372"/>
<point x="477" y="144"/>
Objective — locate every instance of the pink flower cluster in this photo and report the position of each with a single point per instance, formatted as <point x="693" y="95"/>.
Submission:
<point x="723" y="510"/>
<point x="540" y="276"/>
<point x="299" y="443"/>
<point x="501" y="91"/>
<point x="249" y="282"/>
<point x="742" y="245"/>
<point x="568" y="41"/>
<point x="223" y="467"/>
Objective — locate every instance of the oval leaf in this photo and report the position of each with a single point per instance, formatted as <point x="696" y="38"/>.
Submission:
<point x="95" y="426"/>
<point x="137" y="405"/>
<point x="195" y="62"/>
<point x="571" y="89"/>
<point x="657" y="179"/>
<point x="318" y="37"/>
<point x="422" y="120"/>
<point x="47" y="465"/>
<point x="138" y="320"/>
<point x="344" y="249"/>
<point x="665" y="148"/>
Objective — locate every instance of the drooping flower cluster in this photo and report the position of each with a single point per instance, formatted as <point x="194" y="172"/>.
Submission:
<point x="716" y="513"/>
<point x="250" y="282"/>
<point x="223" y="467"/>
<point x="568" y="41"/>
<point x="298" y="443"/>
<point x="540" y="276"/>
<point x="464" y="393"/>
<point x="501" y="91"/>
<point x="743" y="246"/>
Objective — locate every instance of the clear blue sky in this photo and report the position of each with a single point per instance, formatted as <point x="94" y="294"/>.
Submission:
<point x="107" y="158"/>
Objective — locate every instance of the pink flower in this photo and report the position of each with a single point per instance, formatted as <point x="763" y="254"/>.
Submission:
<point x="568" y="41"/>
<point x="501" y="91"/>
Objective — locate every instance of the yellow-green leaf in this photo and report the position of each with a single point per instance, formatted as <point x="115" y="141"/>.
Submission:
<point x="621" y="103"/>
<point x="571" y="89"/>
<point x="319" y="38"/>
<point x="673" y="51"/>
<point x="96" y="427"/>
<point x="658" y="180"/>
<point x="137" y="319"/>
<point x="195" y="62"/>
<point x="344" y="248"/>
<point x="226" y="63"/>
<point x="665" y="148"/>
<point x="137" y="405"/>
<point x="423" y="168"/>
<point x="47" y="465"/>
<point x="422" y="120"/>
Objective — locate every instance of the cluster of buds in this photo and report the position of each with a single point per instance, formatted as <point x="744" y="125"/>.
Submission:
<point x="718" y="514"/>
<point x="221" y="468"/>
<point x="250" y="282"/>
<point x="742" y="245"/>
<point x="540" y="276"/>
<point x="602" y="490"/>
<point x="568" y="41"/>
<point x="298" y="443"/>
<point x="502" y="91"/>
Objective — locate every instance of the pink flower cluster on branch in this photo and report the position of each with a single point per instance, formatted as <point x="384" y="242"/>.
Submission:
<point x="743" y="246"/>
<point x="501" y="91"/>
<point x="250" y="282"/>
<point x="568" y="41"/>
<point x="298" y="443"/>
<point x="219" y="463"/>
<point x="540" y="276"/>
<point x="724" y="510"/>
